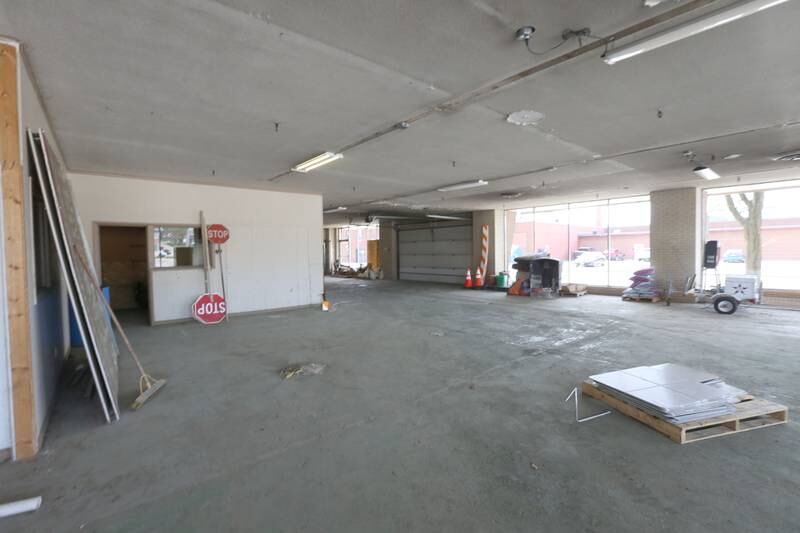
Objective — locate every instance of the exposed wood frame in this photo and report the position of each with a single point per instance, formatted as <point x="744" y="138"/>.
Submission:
<point x="16" y="268"/>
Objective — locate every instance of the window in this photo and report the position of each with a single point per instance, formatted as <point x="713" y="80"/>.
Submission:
<point x="758" y="230"/>
<point x="45" y="264"/>
<point x="177" y="246"/>
<point x="551" y="235"/>
<point x="629" y="239"/>
<point x="519" y="232"/>
<point x="599" y="243"/>
<point x="353" y="246"/>
<point x="588" y="244"/>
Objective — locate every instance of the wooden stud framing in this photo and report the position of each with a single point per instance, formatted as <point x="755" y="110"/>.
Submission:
<point x="19" y="326"/>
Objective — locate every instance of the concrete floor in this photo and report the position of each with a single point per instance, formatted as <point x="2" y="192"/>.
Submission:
<point x="434" y="407"/>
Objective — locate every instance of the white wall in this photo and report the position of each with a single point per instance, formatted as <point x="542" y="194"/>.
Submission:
<point x="274" y="256"/>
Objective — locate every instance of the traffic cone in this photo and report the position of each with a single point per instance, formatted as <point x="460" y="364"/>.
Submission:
<point x="468" y="280"/>
<point x="478" y="279"/>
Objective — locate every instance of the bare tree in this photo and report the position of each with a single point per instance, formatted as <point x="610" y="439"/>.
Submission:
<point x="750" y="219"/>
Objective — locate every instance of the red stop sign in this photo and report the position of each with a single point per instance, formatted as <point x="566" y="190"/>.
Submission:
<point x="217" y="233"/>
<point x="210" y="308"/>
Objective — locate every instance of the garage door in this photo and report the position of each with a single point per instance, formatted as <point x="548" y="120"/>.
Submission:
<point x="440" y="254"/>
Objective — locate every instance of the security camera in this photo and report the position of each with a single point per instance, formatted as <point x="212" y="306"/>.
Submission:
<point x="525" y="33"/>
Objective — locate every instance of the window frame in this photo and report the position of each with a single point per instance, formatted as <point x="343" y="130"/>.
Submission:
<point x="202" y="265"/>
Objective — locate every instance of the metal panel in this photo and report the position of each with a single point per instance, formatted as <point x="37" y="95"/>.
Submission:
<point x="437" y="254"/>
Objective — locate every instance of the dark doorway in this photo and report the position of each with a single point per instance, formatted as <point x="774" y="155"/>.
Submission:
<point x="123" y="263"/>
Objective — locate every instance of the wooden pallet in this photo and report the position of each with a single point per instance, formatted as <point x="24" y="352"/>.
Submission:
<point x="751" y="413"/>
<point x="654" y="299"/>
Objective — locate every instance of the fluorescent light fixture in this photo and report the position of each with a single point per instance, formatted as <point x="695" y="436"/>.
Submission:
<point x="316" y="162"/>
<point x="710" y="21"/>
<point x="445" y="217"/>
<point x="461" y="186"/>
<point x="335" y="209"/>
<point x="706" y="173"/>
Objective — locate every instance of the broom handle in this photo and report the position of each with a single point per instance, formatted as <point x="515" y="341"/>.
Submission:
<point x="110" y="312"/>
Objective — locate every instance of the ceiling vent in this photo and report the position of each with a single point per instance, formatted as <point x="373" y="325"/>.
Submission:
<point x="788" y="156"/>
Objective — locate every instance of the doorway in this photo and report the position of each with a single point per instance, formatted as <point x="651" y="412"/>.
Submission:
<point x="124" y="269"/>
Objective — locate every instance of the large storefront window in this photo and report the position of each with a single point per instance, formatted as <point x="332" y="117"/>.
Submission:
<point x="599" y="243"/>
<point x="519" y="223"/>
<point x="629" y="239"/>
<point x="758" y="230"/>
<point x="588" y="230"/>
<point x="551" y="235"/>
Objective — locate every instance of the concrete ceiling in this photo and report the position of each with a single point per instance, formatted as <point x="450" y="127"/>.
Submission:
<point x="192" y="90"/>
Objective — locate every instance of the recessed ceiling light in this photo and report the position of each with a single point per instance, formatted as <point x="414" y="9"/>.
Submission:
<point x="526" y="117"/>
<point x="706" y="173"/>
<point x="732" y="156"/>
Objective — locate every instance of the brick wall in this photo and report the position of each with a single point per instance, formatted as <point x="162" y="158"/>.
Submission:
<point x="675" y="235"/>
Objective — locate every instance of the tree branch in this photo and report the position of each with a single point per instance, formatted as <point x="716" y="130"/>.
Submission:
<point x="735" y="211"/>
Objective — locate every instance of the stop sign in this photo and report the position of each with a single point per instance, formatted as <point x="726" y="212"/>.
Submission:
<point x="209" y="308"/>
<point x="217" y="233"/>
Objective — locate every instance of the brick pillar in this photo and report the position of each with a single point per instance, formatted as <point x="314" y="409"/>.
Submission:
<point x="675" y="235"/>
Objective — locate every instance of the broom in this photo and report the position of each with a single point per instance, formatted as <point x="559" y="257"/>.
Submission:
<point x="148" y="385"/>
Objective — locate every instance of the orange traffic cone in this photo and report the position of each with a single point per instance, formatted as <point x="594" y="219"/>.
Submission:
<point x="478" y="279"/>
<point x="468" y="280"/>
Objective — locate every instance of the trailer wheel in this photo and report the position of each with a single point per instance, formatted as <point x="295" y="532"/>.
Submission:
<point x="726" y="305"/>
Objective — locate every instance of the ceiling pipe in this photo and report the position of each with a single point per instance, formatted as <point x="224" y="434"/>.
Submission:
<point x="575" y="162"/>
<point x="458" y="101"/>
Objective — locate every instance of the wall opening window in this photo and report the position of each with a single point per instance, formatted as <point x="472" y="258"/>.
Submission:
<point x="599" y="243"/>
<point x="45" y="258"/>
<point x="177" y="246"/>
<point x="758" y="230"/>
<point x="354" y="248"/>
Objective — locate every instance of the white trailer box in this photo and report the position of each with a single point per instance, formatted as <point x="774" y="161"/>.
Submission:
<point x="742" y="287"/>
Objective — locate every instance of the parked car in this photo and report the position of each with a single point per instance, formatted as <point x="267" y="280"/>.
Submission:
<point x="615" y="255"/>
<point x="591" y="259"/>
<point x="581" y="250"/>
<point x="733" y="256"/>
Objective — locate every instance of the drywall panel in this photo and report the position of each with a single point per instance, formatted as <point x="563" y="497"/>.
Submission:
<point x="273" y="258"/>
<point x="74" y="258"/>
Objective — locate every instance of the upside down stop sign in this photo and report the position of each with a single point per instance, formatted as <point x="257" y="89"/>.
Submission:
<point x="209" y="308"/>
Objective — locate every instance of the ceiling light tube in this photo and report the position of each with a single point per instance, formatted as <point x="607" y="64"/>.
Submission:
<point x="461" y="186"/>
<point x="446" y="217"/>
<point x="316" y="162"/>
<point x="335" y="209"/>
<point x="710" y="21"/>
<point x="706" y="173"/>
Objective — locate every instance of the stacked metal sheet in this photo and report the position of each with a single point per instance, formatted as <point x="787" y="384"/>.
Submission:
<point x="671" y="392"/>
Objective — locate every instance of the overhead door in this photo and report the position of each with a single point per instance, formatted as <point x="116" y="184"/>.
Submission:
<point x="437" y="253"/>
